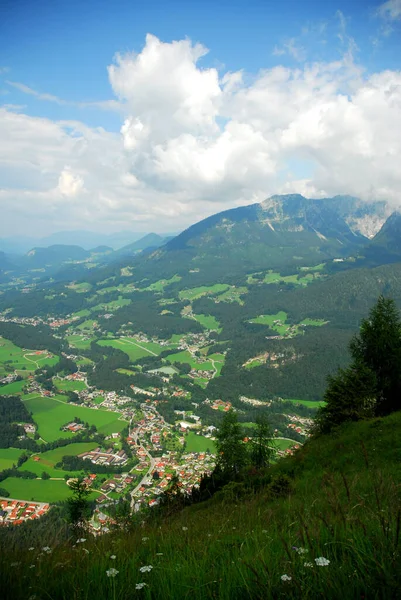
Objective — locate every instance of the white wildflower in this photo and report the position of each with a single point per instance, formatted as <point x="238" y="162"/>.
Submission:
<point x="15" y="564"/>
<point x="31" y="548"/>
<point x="302" y="550"/>
<point x="85" y="550"/>
<point x="286" y="577"/>
<point x="112" y="572"/>
<point x="185" y="528"/>
<point x="47" y="549"/>
<point x="81" y="540"/>
<point x="113" y="557"/>
<point x="139" y="586"/>
<point x="32" y="566"/>
<point x="159" y="553"/>
<point x="146" y="569"/>
<point x="145" y="539"/>
<point x="308" y="564"/>
<point x="322" y="562"/>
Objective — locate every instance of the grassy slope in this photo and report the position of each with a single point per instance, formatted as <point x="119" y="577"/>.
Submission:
<point x="344" y="506"/>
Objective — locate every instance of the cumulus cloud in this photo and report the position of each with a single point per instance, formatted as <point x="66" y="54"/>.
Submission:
<point x="195" y="140"/>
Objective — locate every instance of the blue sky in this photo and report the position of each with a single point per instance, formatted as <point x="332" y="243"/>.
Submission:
<point x="54" y="59"/>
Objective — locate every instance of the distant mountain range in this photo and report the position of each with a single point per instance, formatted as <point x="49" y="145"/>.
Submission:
<point x="85" y="239"/>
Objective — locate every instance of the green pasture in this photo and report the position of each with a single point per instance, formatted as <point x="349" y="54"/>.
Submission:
<point x="198" y="292"/>
<point x="48" y="460"/>
<point x="16" y="358"/>
<point x="314" y="322"/>
<point x="315" y="268"/>
<point x="80" y="288"/>
<point x="9" y="457"/>
<point x="113" y="305"/>
<point x="159" y="286"/>
<point x="308" y="403"/>
<point x="87" y="325"/>
<point x="232" y="295"/>
<point x="12" y="388"/>
<point x="199" y="443"/>
<point x="270" y="319"/>
<point x="39" y="490"/>
<point x="82" y="313"/>
<point x="67" y="385"/>
<point x="135" y="349"/>
<point x="52" y="413"/>
<point x="81" y="342"/>
<point x="208" y="322"/>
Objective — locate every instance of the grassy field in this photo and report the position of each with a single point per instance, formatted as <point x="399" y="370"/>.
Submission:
<point x="79" y="341"/>
<point x="198" y="292"/>
<point x="314" y="322"/>
<point x="159" y="286"/>
<point x="38" y="490"/>
<point x="199" y="443"/>
<point x="135" y="349"/>
<point x="87" y="325"/>
<point x="308" y="403"/>
<point x="208" y="322"/>
<point x="9" y="457"/>
<point x="232" y="295"/>
<point x="12" y="388"/>
<point x="48" y="460"/>
<point x="22" y="360"/>
<point x="67" y="385"/>
<point x="52" y="413"/>
<point x="81" y="288"/>
<point x="284" y="328"/>
<point x="113" y="305"/>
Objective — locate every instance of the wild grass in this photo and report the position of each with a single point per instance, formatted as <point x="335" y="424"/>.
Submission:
<point x="328" y="519"/>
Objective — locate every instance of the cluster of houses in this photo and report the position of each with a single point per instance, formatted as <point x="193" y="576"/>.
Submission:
<point x="219" y="405"/>
<point x="18" y="511"/>
<point x="8" y="378"/>
<point x="107" y="457"/>
<point x="73" y="427"/>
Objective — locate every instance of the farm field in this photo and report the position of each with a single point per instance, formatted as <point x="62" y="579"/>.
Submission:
<point x="208" y="321"/>
<point x="198" y="292"/>
<point x="9" y="457"/>
<point x="67" y="385"/>
<point x="284" y="444"/>
<point x="232" y="295"/>
<point x="199" y="443"/>
<point x="48" y="460"/>
<point x="79" y="341"/>
<point x="159" y="286"/>
<point x="135" y="349"/>
<point x="308" y="403"/>
<point x="113" y="305"/>
<point x="39" y="490"/>
<point x="12" y="388"/>
<point x="186" y="357"/>
<point x="52" y="413"/>
<point x="22" y="360"/>
<point x="283" y="328"/>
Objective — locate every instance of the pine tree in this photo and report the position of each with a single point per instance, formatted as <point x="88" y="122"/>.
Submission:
<point x="261" y="445"/>
<point x="378" y="347"/>
<point x="372" y="384"/>
<point x="231" y="451"/>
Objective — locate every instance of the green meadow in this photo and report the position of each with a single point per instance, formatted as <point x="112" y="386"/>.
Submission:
<point x="199" y="443"/>
<point x="9" y="457"/>
<point x="67" y="385"/>
<point x="39" y="490"/>
<point x="81" y="342"/>
<point x="198" y="292"/>
<point x="48" y="460"/>
<point x="208" y="322"/>
<point x="135" y="349"/>
<point x="52" y="413"/>
<point x="21" y="360"/>
<point x="308" y="403"/>
<point x="12" y="388"/>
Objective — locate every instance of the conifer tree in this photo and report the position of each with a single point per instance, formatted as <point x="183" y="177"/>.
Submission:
<point x="378" y="347"/>
<point x="372" y="384"/>
<point x="261" y="445"/>
<point x="231" y="451"/>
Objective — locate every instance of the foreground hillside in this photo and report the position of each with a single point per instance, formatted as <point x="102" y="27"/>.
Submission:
<point x="322" y="524"/>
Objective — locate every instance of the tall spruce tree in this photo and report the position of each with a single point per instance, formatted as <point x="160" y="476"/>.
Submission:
<point x="262" y="448"/>
<point x="378" y="347"/>
<point x="371" y="385"/>
<point x="231" y="450"/>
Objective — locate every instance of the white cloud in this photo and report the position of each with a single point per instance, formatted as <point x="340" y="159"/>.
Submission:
<point x="70" y="184"/>
<point x="390" y="10"/>
<point x="194" y="141"/>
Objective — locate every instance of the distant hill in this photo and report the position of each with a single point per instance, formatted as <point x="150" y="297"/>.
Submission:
<point x="151" y="240"/>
